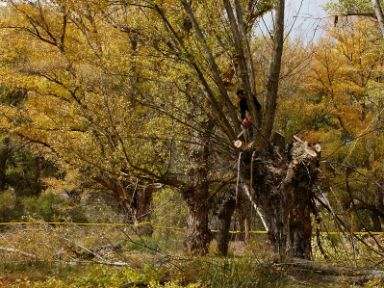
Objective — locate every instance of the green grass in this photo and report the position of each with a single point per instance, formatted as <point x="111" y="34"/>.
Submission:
<point x="236" y="272"/>
<point x="150" y="259"/>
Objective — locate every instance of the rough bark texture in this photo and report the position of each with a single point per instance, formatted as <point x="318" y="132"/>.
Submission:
<point x="283" y="184"/>
<point x="196" y="194"/>
<point x="224" y="223"/>
<point x="199" y="236"/>
<point x="243" y="58"/>
<point x="141" y="209"/>
<point x="274" y="70"/>
<point x="244" y="212"/>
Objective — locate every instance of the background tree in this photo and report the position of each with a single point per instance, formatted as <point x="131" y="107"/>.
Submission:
<point x="98" y="127"/>
<point x="367" y="8"/>
<point x="347" y="83"/>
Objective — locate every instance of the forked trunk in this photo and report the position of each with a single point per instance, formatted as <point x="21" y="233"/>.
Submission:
<point x="291" y="228"/>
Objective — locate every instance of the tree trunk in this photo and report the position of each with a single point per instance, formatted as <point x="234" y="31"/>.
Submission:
<point x="4" y="155"/>
<point x="241" y="227"/>
<point x="379" y="203"/>
<point x="244" y="211"/>
<point x="141" y="211"/>
<point x="283" y="187"/>
<point x="224" y="223"/>
<point x="196" y="194"/>
<point x="199" y="236"/>
<point x="376" y="223"/>
<point x="135" y="203"/>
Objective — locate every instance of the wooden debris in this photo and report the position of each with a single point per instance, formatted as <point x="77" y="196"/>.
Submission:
<point x="16" y="251"/>
<point x="333" y="273"/>
<point x="310" y="152"/>
<point x="317" y="148"/>
<point x="238" y="144"/>
<point x="278" y="140"/>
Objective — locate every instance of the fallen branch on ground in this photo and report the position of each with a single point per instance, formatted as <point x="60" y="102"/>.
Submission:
<point x="333" y="273"/>
<point x="16" y="251"/>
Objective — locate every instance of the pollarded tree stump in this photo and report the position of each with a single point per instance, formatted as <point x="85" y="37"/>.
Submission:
<point x="283" y="182"/>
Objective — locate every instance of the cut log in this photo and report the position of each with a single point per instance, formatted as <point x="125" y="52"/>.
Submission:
<point x="244" y="146"/>
<point x="238" y="144"/>
<point x="317" y="148"/>
<point x="310" y="152"/>
<point x="298" y="139"/>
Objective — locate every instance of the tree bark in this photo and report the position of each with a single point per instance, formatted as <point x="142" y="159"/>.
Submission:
<point x="243" y="58"/>
<point x="274" y="70"/>
<point x="199" y="236"/>
<point x="243" y="210"/>
<point x="376" y="223"/>
<point x="196" y="194"/>
<point x="283" y="187"/>
<point x="334" y="273"/>
<point x="141" y="210"/>
<point x="4" y="155"/>
<point x="224" y="223"/>
<point x="379" y="14"/>
<point x="135" y="203"/>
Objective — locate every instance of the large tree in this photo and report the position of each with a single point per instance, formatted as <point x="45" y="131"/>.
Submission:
<point x="158" y="78"/>
<point x="278" y="179"/>
<point x="82" y="106"/>
<point x="346" y="86"/>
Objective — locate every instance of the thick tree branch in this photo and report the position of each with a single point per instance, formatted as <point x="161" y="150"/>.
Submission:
<point x="212" y="63"/>
<point x="274" y="72"/>
<point x="379" y="14"/>
<point x="239" y="39"/>
<point x="217" y="110"/>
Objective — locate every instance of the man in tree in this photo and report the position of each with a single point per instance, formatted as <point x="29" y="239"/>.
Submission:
<point x="246" y="120"/>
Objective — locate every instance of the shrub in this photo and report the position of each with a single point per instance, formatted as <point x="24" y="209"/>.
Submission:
<point x="9" y="206"/>
<point x="40" y="207"/>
